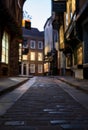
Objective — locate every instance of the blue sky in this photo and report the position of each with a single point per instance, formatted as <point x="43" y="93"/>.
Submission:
<point x="39" y="10"/>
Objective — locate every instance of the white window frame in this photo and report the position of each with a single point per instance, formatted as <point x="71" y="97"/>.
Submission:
<point x="32" y="68"/>
<point x="32" y="44"/>
<point x="40" y="42"/>
<point x="40" y="68"/>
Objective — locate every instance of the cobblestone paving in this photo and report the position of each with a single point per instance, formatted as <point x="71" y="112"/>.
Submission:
<point x="45" y="106"/>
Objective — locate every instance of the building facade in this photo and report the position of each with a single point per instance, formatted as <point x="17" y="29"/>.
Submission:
<point x="48" y="45"/>
<point x="58" y="9"/>
<point x="70" y="41"/>
<point x="72" y="21"/>
<point x="10" y="36"/>
<point x="76" y="37"/>
<point x="50" y="48"/>
<point x="32" y="57"/>
<point x="82" y="23"/>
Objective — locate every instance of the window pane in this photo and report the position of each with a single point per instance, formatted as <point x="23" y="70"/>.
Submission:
<point x="3" y="58"/>
<point x="40" y="68"/>
<point x="25" y="45"/>
<point x="24" y="57"/>
<point x="20" y="52"/>
<point x="40" y="45"/>
<point x="32" y="56"/>
<point x="7" y="60"/>
<point x="46" y="67"/>
<point x="5" y="43"/>
<point x="6" y="52"/>
<point x="32" y="68"/>
<point x="32" y="44"/>
<point x="3" y="51"/>
<point x="79" y="55"/>
<point x="40" y="57"/>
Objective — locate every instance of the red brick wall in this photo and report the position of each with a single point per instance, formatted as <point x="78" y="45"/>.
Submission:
<point x="36" y="50"/>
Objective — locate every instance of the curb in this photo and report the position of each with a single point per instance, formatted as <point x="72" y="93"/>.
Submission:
<point x="9" y="89"/>
<point x="74" y="85"/>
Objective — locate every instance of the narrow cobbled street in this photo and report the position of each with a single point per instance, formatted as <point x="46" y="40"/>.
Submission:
<point x="45" y="106"/>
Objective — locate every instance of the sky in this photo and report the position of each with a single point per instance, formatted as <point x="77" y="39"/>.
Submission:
<point x="39" y="11"/>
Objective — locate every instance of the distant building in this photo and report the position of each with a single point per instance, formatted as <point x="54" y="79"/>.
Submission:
<point x="32" y="57"/>
<point x="50" y="48"/>
<point x="10" y="36"/>
<point x="48" y="44"/>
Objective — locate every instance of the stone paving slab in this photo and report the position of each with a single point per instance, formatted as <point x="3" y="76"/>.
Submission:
<point x="45" y="106"/>
<point x="81" y="84"/>
<point x="8" y="84"/>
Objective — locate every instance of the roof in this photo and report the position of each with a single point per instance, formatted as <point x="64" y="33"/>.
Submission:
<point x="32" y="32"/>
<point x="48" y="20"/>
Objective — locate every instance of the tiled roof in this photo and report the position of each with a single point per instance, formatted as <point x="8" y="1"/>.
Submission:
<point x="33" y="32"/>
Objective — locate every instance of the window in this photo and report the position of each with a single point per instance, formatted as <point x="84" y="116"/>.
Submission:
<point x="40" y="57"/>
<point x="20" y="52"/>
<point x="32" y="56"/>
<point x="73" y="5"/>
<point x="32" y="44"/>
<point x="40" y="68"/>
<point x="68" y="61"/>
<point x="40" y="45"/>
<point x="32" y="68"/>
<point x="5" y="44"/>
<point x="66" y="20"/>
<point x="25" y="45"/>
<point x="46" y="67"/>
<point x="61" y="37"/>
<point x="79" y="55"/>
<point x="24" y="57"/>
<point x="70" y="9"/>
